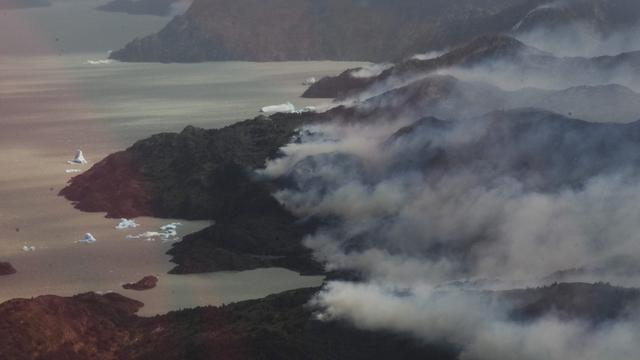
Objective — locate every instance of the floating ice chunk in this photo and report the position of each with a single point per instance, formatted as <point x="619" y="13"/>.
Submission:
<point x="71" y="171"/>
<point x="127" y="224"/>
<point x="148" y="236"/>
<point x="287" y="108"/>
<point x="310" y="81"/>
<point x="167" y="232"/>
<point x="28" y="248"/>
<point x="170" y="227"/>
<point x="78" y="159"/>
<point x="88" y="239"/>
<point x="282" y="108"/>
<point x="99" y="62"/>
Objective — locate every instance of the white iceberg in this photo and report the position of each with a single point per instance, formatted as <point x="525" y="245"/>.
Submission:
<point x="28" y="248"/>
<point x="78" y="159"/>
<point x="88" y="239"/>
<point x="148" y="236"/>
<point x="310" y="81"/>
<point x="170" y="227"/>
<point x="167" y="232"/>
<point x="99" y="62"/>
<point x="127" y="224"/>
<point x="282" y="108"/>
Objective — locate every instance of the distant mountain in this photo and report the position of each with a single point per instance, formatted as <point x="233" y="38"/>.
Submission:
<point x="603" y="16"/>
<point x="494" y="58"/>
<point x="582" y="27"/>
<point x="449" y="98"/>
<point x="146" y="7"/>
<point x="482" y="49"/>
<point x="274" y="30"/>
<point x="371" y="30"/>
<point x="22" y="4"/>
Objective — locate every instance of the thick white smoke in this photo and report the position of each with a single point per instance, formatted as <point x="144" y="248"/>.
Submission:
<point x="395" y="229"/>
<point x="495" y="227"/>
<point x="480" y="325"/>
<point x="415" y="227"/>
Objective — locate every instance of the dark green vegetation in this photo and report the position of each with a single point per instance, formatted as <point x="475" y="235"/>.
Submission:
<point x="280" y="326"/>
<point x="209" y="174"/>
<point x="205" y="174"/>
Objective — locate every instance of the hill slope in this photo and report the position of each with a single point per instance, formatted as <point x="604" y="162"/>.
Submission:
<point x="275" y="30"/>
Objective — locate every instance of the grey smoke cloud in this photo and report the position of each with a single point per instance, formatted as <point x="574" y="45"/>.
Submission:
<point x="499" y="201"/>
<point x="494" y="225"/>
<point x="180" y="7"/>
<point x="471" y="320"/>
<point x="579" y="28"/>
<point x="565" y="73"/>
<point x="581" y="39"/>
<point x="409" y="233"/>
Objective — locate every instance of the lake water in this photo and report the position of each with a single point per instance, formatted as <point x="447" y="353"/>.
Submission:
<point x="52" y="104"/>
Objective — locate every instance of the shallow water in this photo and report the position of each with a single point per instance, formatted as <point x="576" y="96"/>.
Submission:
<point x="52" y="105"/>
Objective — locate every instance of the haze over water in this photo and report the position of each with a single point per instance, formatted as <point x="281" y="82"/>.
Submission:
<point x="53" y="101"/>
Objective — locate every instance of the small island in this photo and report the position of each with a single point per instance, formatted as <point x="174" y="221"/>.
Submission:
<point x="6" y="269"/>
<point x="146" y="283"/>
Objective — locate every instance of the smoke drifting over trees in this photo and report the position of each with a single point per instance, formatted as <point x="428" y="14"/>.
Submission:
<point x="443" y="178"/>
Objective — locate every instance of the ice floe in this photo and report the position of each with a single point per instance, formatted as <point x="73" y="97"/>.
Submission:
<point x="28" y="248"/>
<point x="99" y="62"/>
<point x="282" y="108"/>
<point x="286" y="108"/>
<point x="78" y="159"/>
<point x="88" y="239"/>
<point x="127" y="224"/>
<point x="167" y="232"/>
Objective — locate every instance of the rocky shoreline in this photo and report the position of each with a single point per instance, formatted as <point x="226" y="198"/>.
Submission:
<point x="282" y="326"/>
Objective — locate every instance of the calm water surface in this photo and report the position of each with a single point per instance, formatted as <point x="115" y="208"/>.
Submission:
<point x="51" y="105"/>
